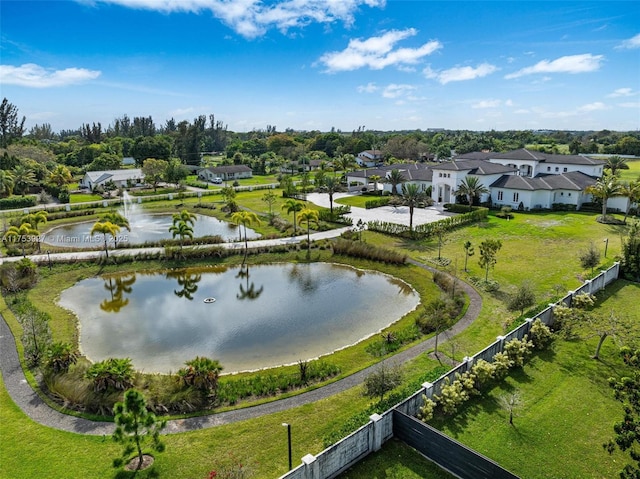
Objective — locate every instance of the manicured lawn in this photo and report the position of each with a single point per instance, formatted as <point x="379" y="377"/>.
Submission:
<point x="633" y="172"/>
<point x="358" y="200"/>
<point x="540" y="247"/>
<point x="568" y="412"/>
<point x="83" y="197"/>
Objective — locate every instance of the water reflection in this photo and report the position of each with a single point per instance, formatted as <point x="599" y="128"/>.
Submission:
<point x="117" y="287"/>
<point x="187" y="280"/>
<point x="247" y="291"/>
<point x="262" y="316"/>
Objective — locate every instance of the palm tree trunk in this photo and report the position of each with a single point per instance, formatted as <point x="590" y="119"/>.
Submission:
<point x="597" y="353"/>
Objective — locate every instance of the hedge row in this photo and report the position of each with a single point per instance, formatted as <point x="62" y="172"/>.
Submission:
<point x="429" y="229"/>
<point x="17" y="202"/>
<point x="378" y="202"/>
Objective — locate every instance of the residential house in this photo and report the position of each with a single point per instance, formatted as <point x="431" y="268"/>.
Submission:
<point x="226" y="172"/>
<point x="369" y="158"/>
<point x="120" y="178"/>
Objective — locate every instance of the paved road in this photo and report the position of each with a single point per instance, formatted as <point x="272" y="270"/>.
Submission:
<point x="32" y="405"/>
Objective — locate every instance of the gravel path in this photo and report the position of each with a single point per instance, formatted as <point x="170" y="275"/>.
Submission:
<point x="34" y="407"/>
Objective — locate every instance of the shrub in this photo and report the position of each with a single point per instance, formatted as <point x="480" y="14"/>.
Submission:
<point x="358" y="249"/>
<point x="201" y="373"/>
<point x="483" y="372"/>
<point x="518" y="351"/>
<point x="452" y="395"/>
<point x="17" y="202"/>
<point x="111" y="373"/>
<point x="60" y="357"/>
<point x="540" y="334"/>
<point x="426" y="411"/>
<point x="377" y="203"/>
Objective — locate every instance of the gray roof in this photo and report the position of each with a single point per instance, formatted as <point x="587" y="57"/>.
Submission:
<point x="475" y="167"/>
<point x="524" y="154"/>
<point x="229" y="169"/>
<point x="115" y="175"/>
<point x="574" y="180"/>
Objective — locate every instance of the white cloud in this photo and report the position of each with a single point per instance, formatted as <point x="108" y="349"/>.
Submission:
<point x="394" y="91"/>
<point x="592" y="107"/>
<point x="630" y="104"/>
<point x="568" y="64"/>
<point x="378" y="52"/>
<point x="182" y="111"/>
<point x="368" y="88"/>
<point x="622" y="92"/>
<point x="486" y="104"/>
<point x="34" y="76"/>
<point x="460" y="73"/>
<point x="252" y="18"/>
<point x="631" y="43"/>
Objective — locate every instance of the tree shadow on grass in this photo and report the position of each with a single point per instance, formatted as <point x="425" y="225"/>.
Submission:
<point x="150" y="473"/>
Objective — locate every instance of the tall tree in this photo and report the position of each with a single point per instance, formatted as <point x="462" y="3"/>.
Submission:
<point x="270" y="199"/>
<point x="309" y="216"/>
<point x="154" y="171"/>
<point x="293" y="206"/>
<point x="331" y="186"/>
<point x="11" y="128"/>
<point x="468" y="251"/>
<point x="616" y="163"/>
<point x="471" y="188"/>
<point x="60" y="176"/>
<point x="395" y="178"/>
<point x="627" y="391"/>
<point x="134" y="425"/>
<point x="6" y="183"/>
<point x="23" y="178"/>
<point x="244" y="218"/>
<point x="412" y="195"/>
<point x="25" y="233"/>
<point x="488" y="250"/>
<point x="181" y="229"/>
<point x="606" y="187"/>
<point x="105" y="228"/>
<point x="631" y="191"/>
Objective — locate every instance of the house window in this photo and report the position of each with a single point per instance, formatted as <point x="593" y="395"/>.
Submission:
<point x="500" y="195"/>
<point x="562" y="193"/>
<point x="564" y="170"/>
<point x="557" y="169"/>
<point x="569" y="194"/>
<point x="516" y="197"/>
<point x="548" y="168"/>
<point x="440" y="175"/>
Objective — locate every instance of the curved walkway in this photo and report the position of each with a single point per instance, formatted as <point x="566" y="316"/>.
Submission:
<point x="34" y="407"/>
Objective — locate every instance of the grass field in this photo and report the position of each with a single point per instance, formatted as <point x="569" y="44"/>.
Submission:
<point x="568" y="411"/>
<point x="542" y="248"/>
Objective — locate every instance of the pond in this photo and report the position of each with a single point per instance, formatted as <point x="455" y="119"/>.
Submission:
<point x="144" y="227"/>
<point x="262" y="316"/>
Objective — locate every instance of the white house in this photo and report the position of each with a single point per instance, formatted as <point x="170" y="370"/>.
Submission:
<point x="520" y="178"/>
<point x="120" y="178"/>
<point x="227" y="172"/>
<point x="369" y="158"/>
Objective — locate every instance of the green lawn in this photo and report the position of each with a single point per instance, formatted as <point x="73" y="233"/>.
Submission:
<point x="633" y="173"/>
<point x="568" y="412"/>
<point x="541" y="247"/>
<point x="358" y="200"/>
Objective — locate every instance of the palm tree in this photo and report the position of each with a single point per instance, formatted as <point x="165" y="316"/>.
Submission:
<point x="243" y="218"/>
<point x="23" y="178"/>
<point x="105" y="228"/>
<point x="615" y="163"/>
<point x="331" y="186"/>
<point x="395" y="178"/>
<point x="23" y="233"/>
<point x="185" y="216"/>
<point x="344" y="162"/>
<point x="118" y="220"/>
<point x="606" y="187"/>
<point x="471" y="188"/>
<point x="182" y="229"/>
<point x="308" y="216"/>
<point x="291" y="205"/>
<point x="412" y="195"/>
<point x="632" y="191"/>
<point x="6" y="183"/>
<point x="375" y="179"/>
<point x="60" y="176"/>
<point x="34" y="219"/>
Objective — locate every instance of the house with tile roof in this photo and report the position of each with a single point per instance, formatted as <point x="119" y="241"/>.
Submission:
<point x="521" y="179"/>
<point x="226" y="172"/>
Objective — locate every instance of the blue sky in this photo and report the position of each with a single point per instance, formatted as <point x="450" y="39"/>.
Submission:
<point x="318" y="64"/>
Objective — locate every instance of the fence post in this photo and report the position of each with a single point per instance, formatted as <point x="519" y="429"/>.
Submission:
<point x="529" y="322"/>
<point x="375" y="439"/>
<point x="590" y="284"/>
<point x="428" y="389"/>
<point x="468" y="360"/>
<point x="311" y="467"/>
<point x="500" y="340"/>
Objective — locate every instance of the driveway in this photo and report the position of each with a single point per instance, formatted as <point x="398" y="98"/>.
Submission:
<point x="388" y="214"/>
